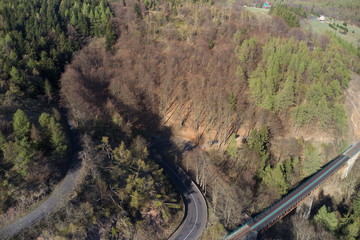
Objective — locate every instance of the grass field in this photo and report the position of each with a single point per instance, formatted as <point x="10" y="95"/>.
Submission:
<point x="353" y="36"/>
<point x="259" y="12"/>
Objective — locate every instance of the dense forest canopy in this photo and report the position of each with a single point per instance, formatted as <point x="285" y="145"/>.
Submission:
<point x="290" y="74"/>
<point x="39" y="37"/>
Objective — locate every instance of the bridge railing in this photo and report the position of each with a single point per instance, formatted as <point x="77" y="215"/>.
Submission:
<point x="289" y="194"/>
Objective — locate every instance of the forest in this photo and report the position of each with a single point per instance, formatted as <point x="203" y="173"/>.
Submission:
<point x="124" y="72"/>
<point x="212" y="70"/>
<point x="38" y="38"/>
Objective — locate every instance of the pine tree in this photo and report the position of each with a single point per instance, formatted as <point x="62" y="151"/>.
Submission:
<point x="232" y="148"/>
<point x="58" y="139"/>
<point x="324" y="113"/>
<point x="352" y="230"/>
<point x="327" y="218"/>
<point x="275" y="177"/>
<point x="53" y="133"/>
<point x="286" y="96"/>
<point x="356" y="205"/>
<point x="16" y="75"/>
<point x="110" y="36"/>
<point x="312" y="160"/>
<point x="2" y="140"/>
<point x="21" y="125"/>
<point x="48" y="90"/>
<point x="247" y="54"/>
<point x="25" y="153"/>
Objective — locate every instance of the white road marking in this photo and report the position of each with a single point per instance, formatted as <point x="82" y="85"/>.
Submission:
<point x="197" y="214"/>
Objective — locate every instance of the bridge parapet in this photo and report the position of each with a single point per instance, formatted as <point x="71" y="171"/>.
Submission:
<point x="349" y="165"/>
<point x="296" y="196"/>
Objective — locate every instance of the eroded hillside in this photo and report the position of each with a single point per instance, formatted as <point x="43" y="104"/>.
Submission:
<point x="353" y="107"/>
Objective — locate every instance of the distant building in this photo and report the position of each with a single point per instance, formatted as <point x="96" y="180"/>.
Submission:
<point x="322" y="19"/>
<point x="267" y="5"/>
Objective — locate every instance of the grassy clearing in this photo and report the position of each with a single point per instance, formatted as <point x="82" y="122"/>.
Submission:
<point x="259" y="12"/>
<point x="353" y="36"/>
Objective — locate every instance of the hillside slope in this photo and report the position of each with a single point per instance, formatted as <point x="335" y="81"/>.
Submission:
<point x="207" y="74"/>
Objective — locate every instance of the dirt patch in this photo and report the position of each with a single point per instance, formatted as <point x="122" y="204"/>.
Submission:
<point x="353" y="107"/>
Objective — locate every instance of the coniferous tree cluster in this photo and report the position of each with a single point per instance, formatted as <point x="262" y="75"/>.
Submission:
<point x="39" y="37"/>
<point x="289" y="14"/>
<point x="308" y="82"/>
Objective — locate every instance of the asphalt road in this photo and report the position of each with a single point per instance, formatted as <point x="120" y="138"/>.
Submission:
<point x="196" y="214"/>
<point x="61" y="192"/>
<point x="290" y="201"/>
<point x="191" y="228"/>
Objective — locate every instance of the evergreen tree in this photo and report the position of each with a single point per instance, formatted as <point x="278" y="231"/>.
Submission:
<point x="21" y="125"/>
<point x="24" y="152"/>
<point x="233" y="101"/>
<point x="53" y="133"/>
<point x="110" y="36"/>
<point x="48" y="90"/>
<point x="275" y="177"/>
<point x="327" y="218"/>
<point x="356" y="205"/>
<point x="2" y="140"/>
<point x="289" y="14"/>
<point x="312" y="160"/>
<point x="288" y="168"/>
<point x="248" y="55"/>
<point x="352" y="230"/>
<point x="232" y="148"/>
<point x="58" y="139"/>
<point x="286" y="96"/>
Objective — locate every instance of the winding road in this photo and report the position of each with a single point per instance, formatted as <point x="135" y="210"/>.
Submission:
<point x="192" y="225"/>
<point x="196" y="212"/>
<point x="61" y="192"/>
<point x="57" y="197"/>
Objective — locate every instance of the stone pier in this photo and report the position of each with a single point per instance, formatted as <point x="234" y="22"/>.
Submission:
<point x="304" y="208"/>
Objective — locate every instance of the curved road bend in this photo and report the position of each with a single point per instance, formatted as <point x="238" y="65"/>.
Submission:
<point x="192" y="226"/>
<point x="61" y="192"/>
<point x="196" y="213"/>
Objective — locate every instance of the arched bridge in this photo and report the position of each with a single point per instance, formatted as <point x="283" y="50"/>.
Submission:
<point x="278" y="210"/>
